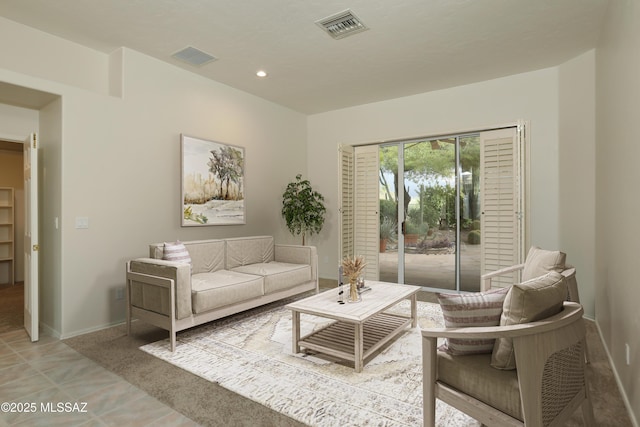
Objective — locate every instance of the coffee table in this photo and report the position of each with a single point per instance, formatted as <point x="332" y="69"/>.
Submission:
<point x="361" y="328"/>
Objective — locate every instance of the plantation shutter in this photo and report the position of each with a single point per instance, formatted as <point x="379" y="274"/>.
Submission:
<point x="502" y="201"/>
<point x="346" y="200"/>
<point x="366" y="208"/>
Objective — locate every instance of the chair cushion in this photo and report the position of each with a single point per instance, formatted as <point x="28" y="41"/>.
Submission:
<point x="474" y="309"/>
<point x="526" y="302"/>
<point x="474" y="376"/>
<point x="541" y="261"/>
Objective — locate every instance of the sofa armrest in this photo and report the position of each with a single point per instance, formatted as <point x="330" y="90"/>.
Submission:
<point x="148" y="280"/>
<point x="298" y="254"/>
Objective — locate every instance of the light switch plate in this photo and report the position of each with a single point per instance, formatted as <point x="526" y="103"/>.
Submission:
<point x="82" y="222"/>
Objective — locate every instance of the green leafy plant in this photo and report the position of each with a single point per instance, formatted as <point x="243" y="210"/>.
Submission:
<point x="303" y="208"/>
<point x="388" y="229"/>
<point x="474" y="237"/>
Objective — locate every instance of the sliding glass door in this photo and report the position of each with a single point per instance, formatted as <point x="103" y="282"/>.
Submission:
<point x="429" y="213"/>
<point x="436" y="212"/>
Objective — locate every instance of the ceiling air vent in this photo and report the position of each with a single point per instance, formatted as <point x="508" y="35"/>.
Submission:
<point x="193" y="56"/>
<point x="342" y="24"/>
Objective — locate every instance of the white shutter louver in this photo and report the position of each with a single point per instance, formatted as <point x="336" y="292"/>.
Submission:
<point x="346" y="201"/>
<point x="366" y="208"/>
<point x="501" y="224"/>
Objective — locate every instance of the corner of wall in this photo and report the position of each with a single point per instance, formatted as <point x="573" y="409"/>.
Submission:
<point x="116" y="73"/>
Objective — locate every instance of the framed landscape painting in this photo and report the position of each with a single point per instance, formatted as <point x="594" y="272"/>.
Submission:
<point x="212" y="183"/>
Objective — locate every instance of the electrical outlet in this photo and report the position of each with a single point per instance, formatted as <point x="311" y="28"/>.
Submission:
<point x="119" y="293"/>
<point x="627" y="353"/>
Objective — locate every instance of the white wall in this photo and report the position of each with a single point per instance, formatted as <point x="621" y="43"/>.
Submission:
<point x="121" y="169"/>
<point x="577" y="174"/>
<point x="51" y="58"/>
<point x="531" y="96"/>
<point x="17" y="123"/>
<point x="617" y="201"/>
<point x="116" y="160"/>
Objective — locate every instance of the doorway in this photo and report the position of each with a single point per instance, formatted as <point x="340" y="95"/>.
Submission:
<point x="12" y="288"/>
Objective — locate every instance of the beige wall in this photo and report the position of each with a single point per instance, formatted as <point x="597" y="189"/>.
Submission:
<point x="617" y="205"/>
<point x="577" y="175"/>
<point x="116" y="160"/>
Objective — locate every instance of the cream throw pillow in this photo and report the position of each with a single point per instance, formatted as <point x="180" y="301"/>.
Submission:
<point x="527" y="302"/>
<point x="541" y="261"/>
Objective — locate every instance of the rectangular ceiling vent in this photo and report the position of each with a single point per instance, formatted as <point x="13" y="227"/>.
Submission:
<point x="342" y="24"/>
<point x="193" y="56"/>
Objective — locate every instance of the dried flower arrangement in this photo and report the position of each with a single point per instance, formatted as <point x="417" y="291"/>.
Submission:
<point x="353" y="268"/>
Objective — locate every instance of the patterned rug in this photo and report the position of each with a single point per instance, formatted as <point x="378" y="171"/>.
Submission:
<point x="250" y="354"/>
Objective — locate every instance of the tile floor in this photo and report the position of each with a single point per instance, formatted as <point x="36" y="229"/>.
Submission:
<point x="59" y="386"/>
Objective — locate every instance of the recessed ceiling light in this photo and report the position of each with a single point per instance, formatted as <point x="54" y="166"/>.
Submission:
<point x="261" y="73"/>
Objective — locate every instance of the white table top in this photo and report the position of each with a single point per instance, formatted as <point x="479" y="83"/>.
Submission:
<point x="381" y="296"/>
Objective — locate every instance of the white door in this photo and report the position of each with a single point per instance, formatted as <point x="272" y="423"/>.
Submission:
<point x="31" y="299"/>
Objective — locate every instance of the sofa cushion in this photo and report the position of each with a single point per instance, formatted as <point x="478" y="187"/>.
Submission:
<point x="248" y="250"/>
<point x="278" y="275"/>
<point x="473" y="309"/>
<point x="474" y="375"/>
<point x="527" y="302"/>
<point x="540" y="261"/>
<point x="223" y="287"/>
<point x="207" y="256"/>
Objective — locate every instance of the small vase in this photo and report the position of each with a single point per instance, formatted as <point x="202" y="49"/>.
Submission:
<point x="354" y="295"/>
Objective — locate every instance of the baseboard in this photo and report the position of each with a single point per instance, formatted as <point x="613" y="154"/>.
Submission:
<point x="625" y="399"/>
<point x="48" y="331"/>
<point x="89" y="330"/>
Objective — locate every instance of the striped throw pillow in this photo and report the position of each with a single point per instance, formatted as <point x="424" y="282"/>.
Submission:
<point x="474" y="309"/>
<point x="176" y="252"/>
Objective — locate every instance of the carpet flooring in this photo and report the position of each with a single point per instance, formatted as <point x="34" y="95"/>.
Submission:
<point x="251" y="356"/>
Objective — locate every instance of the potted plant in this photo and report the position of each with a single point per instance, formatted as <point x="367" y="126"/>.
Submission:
<point x="387" y="232"/>
<point x="303" y="208"/>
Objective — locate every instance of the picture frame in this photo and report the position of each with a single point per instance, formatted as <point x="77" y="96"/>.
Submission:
<point x="212" y="178"/>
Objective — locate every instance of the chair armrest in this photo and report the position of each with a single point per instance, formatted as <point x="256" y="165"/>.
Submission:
<point x="148" y="280"/>
<point x="485" y="279"/>
<point x="569" y="313"/>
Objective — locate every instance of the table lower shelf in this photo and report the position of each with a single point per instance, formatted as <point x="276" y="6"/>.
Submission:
<point x="338" y="339"/>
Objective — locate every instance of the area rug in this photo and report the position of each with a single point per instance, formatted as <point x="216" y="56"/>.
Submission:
<point x="250" y="354"/>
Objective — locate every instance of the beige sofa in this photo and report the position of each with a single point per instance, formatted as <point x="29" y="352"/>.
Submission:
<point x="225" y="277"/>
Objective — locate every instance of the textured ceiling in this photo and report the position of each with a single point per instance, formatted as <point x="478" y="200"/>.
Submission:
<point x="412" y="46"/>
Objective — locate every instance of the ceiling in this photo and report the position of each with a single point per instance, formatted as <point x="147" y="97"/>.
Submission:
<point x="412" y="46"/>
